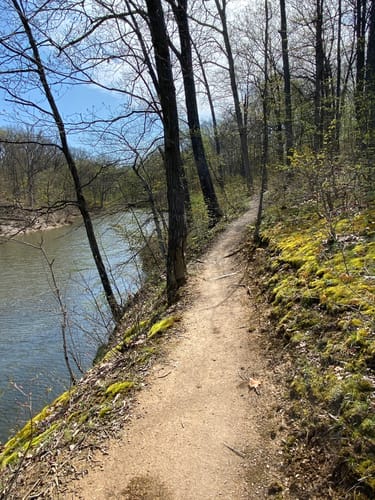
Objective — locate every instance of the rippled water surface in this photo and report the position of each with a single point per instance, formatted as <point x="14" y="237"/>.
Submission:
<point x="32" y="368"/>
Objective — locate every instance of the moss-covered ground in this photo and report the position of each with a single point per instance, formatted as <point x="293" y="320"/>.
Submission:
<point x="319" y="277"/>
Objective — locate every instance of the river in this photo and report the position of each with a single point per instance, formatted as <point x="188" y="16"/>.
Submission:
<point x="32" y="367"/>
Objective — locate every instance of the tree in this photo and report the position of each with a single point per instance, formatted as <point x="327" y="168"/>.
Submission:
<point x="370" y="81"/>
<point x="246" y="170"/>
<point x="179" y="8"/>
<point x="265" y="108"/>
<point x="287" y="84"/>
<point x="177" y="230"/>
<point x="31" y="56"/>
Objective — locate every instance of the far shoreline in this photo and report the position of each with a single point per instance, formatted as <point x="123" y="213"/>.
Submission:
<point x="16" y="221"/>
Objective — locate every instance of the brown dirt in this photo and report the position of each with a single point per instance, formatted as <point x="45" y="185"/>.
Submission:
<point x="198" y="431"/>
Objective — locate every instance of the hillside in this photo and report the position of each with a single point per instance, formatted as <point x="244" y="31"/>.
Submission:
<point x="258" y="383"/>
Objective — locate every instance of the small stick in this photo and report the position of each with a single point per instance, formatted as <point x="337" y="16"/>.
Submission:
<point x="234" y="252"/>
<point x="224" y="276"/>
<point x="165" y="374"/>
<point x="237" y="452"/>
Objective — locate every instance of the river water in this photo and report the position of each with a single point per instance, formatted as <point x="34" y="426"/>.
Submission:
<point x="32" y="367"/>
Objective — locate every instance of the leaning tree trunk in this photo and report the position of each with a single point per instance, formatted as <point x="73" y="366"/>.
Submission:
<point x="185" y="56"/>
<point x="360" y="31"/>
<point x="177" y="230"/>
<point x="81" y="201"/>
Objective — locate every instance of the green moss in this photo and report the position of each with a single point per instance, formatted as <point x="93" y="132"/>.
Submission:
<point x="23" y="441"/>
<point x="161" y="326"/>
<point x="104" y="410"/>
<point x="9" y="459"/>
<point x="117" y="387"/>
<point x="322" y="296"/>
<point x="41" y="438"/>
<point x="145" y="354"/>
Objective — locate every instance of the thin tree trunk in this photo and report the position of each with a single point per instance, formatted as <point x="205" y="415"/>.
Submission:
<point x="360" y="27"/>
<point x="81" y="201"/>
<point x="289" y="140"/>
<point x="220" y="177"/>
<point x="338" y="81"/>
<point x="370" y="77"/>
<point x="319" y="72"/>
<point x="185" y="56"/>
<point x="265" y="106"/>
<point x="177" y="230"/>
<point x="246" y="170"/>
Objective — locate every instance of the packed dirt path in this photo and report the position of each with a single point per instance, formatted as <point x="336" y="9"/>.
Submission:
<point x="197" y="432"/>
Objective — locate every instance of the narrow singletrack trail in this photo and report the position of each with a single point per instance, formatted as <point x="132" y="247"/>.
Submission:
<point x="197" y="433"/>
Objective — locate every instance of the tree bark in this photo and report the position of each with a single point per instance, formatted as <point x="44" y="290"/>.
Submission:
<point x="177" y="230"/>
<point x="220" y="178"/>
<point x="319" y="74"/>
<point x="370" y="77"/>
<point x="288" y="123"/>
<point x="214" y="213"/>
<point x="360" y="30"/>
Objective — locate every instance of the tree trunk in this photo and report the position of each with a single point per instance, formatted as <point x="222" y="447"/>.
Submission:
<point x="265" y="106"/>
<point x="287" y="86"/>
<point x="360" y="29"/>
<point x="338" y="81"/>
<point x="370" y="78"/>
<point x="177" y="231"/>
<point x="220" y="178"/>
<point x="81" y="201"/>
<point x="246" y="171"/>
<point x="207" y="187"/>
<point x="319" y="76"/>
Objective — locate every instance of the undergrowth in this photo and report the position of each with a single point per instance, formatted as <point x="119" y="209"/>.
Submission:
<point x="319" y="274"/>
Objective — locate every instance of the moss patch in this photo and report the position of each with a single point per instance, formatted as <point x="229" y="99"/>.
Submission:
<point x="161" y="326"/>
<point x="117" y="387"/>
<point x="320" y="280"/>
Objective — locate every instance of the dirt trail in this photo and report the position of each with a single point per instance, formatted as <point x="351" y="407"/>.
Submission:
<point x="197" y="433"/>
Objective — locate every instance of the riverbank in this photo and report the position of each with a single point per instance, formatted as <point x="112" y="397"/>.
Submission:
<point x="196" y="352"/>
<point x="16" y="220"/>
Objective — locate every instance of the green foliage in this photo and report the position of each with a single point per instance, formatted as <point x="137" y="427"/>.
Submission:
<point x="321" y="284"/>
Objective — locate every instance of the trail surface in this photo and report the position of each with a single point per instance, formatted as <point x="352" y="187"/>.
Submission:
<point x="198" y="432"/>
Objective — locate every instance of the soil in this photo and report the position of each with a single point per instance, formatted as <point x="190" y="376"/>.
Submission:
<point x="207" y="424"/>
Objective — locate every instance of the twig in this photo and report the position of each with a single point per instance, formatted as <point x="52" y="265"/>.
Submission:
<point x="223" y="276"/>
<point x="235" y="252"/>
<point x="165" y="374"/>
<point x="31" y="490"/>
<point x="237" y="452"/>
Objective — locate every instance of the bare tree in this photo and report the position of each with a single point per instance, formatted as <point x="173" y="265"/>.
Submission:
<point x="287" y="84"/>
<point x="177" y="230"/>
<point x="31" y="63"/>
<point x="179" y="8"/>
<point x="246" y="170"/>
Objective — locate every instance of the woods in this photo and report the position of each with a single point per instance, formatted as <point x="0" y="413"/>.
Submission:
<point x="199" y="105"/>
<point x="310" y="85"/>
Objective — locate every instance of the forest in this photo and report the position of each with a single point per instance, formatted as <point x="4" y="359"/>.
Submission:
<point x="217" y="101"/>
